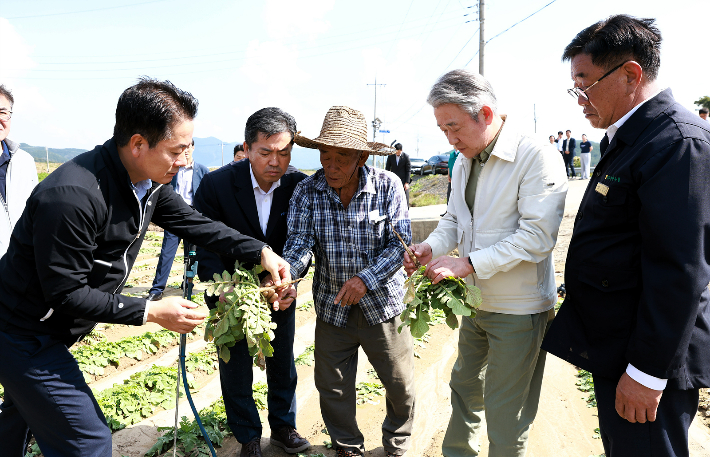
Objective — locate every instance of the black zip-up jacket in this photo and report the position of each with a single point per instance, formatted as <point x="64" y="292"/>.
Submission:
<point x="73" y="247"/>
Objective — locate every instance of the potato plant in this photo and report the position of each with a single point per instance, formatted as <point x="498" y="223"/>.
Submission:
<point x="241" y="312"/>
<point x="452" y="296"/>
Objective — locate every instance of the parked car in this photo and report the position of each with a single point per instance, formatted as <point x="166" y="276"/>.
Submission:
<point x="416" y="165"/>
<point x="437" y="164"/>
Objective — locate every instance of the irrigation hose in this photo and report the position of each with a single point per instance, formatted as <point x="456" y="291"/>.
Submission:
<point x="190" y="270"/>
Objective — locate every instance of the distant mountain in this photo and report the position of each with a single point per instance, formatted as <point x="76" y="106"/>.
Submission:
<point x="55" y="155"/>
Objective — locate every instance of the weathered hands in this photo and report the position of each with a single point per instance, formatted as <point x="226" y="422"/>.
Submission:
<point x="445" y="266"/>
<point x="422" y="252"/>
<point x="279" y="269"/>
<point x="351" y="293"/>
<point x="280" y="299"/>
<point x="176" y="314"/>
<point x="636" y="402"/>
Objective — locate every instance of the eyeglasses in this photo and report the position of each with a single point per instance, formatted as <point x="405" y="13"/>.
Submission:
<point x="5" y="115"/>
<point x="577" y="92"/>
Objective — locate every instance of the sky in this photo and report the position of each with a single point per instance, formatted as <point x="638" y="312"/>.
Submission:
<point x="68" y="62"/>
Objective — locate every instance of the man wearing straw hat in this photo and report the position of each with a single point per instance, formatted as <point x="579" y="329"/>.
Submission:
<point x="342" y="216"/>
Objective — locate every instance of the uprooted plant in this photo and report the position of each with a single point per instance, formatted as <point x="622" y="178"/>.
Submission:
<point x="242" y="312"/>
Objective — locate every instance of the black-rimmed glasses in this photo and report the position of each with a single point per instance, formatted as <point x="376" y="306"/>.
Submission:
<point x="577" y="92"/>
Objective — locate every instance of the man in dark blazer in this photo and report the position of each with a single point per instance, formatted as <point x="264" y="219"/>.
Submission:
<point x="568" y="145"/>
<point x="637" y="310"/>
<point x="253" y="196"/>
<point x="400" y="165"/>
<point x="185" y="183"/>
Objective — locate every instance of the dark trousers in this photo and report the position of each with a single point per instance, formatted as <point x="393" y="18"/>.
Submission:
<point x="667" y="436"/>
<point x="236" y="379"/>
<point x="569" y="164"/>
<point x="45" y="391"/>
<point x="165" y="261"/>
<point x="392" y="356"/>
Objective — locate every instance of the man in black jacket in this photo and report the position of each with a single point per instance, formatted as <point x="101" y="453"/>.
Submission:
<point x="252" y="196"/>
<point x="568" y="146"/>
<point x="637" y="311"/>
<point x="400" y="165"/>
<point x="70" y="255"/>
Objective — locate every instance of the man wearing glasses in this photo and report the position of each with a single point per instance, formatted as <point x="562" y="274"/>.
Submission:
<point x="637" y="310"/>
<point x="18" y="175"/>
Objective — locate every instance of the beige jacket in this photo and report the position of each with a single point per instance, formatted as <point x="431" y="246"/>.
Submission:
<point x="519" y="205"/>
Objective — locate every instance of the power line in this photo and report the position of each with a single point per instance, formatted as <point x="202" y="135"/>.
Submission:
<point x="85" y="11"/>
<point x="523" y="20"/>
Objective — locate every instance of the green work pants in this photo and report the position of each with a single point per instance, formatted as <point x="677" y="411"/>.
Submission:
<point x="498" y="373"/>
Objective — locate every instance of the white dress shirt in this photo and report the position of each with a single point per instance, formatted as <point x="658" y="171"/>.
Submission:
<point x="263" y="200"/>
<point x="637" y="375"/>
<point x="184" y="183"/>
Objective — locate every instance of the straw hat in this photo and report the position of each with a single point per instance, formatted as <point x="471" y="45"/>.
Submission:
<point x="346" y="128"/>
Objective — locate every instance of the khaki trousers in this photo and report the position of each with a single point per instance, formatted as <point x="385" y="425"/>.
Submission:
<point x="391" y="355"/>
<point x="498" y="374"/>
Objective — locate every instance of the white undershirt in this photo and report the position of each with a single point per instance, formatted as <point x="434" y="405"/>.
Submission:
<point x="637" y="375"/>
<point x="263" y="200"/>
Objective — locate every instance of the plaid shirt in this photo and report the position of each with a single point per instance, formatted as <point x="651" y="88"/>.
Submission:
<point x="357" y="241"/>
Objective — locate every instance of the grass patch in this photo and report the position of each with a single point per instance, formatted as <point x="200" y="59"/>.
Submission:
<point x="423" y="199"/>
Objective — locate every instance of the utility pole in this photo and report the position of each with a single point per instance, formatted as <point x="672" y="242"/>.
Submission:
<point x="481" y="39"/>
<point x="221" y="144"/>
<point x="535" y="118"/>
<point x="376" y="122"/>
<point x="47" y="151"/>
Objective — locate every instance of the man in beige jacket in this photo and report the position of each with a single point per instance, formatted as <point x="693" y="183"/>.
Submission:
<point x="507" y="202"/>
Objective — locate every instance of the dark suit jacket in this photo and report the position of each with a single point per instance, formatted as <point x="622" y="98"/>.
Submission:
<point x="572" y="145"/>
<point x="638" y="264"/>
<point x="226" y="195"/>
<point x="198" y="172"/>
<point x="403" y="170"/>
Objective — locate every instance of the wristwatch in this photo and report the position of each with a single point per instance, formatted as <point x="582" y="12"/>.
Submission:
<point x="258" y="259"/>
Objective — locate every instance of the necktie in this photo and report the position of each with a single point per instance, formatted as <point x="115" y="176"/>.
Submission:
<point x="604" y="144"/>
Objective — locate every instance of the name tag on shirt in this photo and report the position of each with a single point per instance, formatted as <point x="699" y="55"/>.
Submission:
<point x="375" y="216"/>
<point x="602" y="189"/>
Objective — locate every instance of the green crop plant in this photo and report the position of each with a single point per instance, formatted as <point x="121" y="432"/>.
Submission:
<point x="189" y="437"/>
<point x="260" y="392"/>
<point x="242" y="312"/>
<point x="306" y="357"/>
<point x="93" y="358"/>
<point x="451" y="295"/>
<point x="138" y="397"/>
<point x="367" y="391"/>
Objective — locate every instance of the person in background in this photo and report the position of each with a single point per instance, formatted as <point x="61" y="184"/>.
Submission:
<point x="341" y="217"/>
<point x="559" y="142"/>
<point x="703" y="113"/>
<point x="568" y="146"/>
<point x="637" y="310"/>
<point x="452" y="160"/>
<point x="585" y="156"/>
<point x="505" y="212"/>
<point x="400" y="165"/>
<point x="239" y="153"/>
<point x="256" y="204"/>
<point x="18" y="174"/>
<point x="185" y="183"/>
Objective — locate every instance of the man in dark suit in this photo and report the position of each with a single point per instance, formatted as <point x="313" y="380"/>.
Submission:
<point x="637" y="311"/>
<point x="400" y="165"/>
<point x="185" y="183"/>
<point x="568" y="145"/>
<point x="253" y="196"/>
